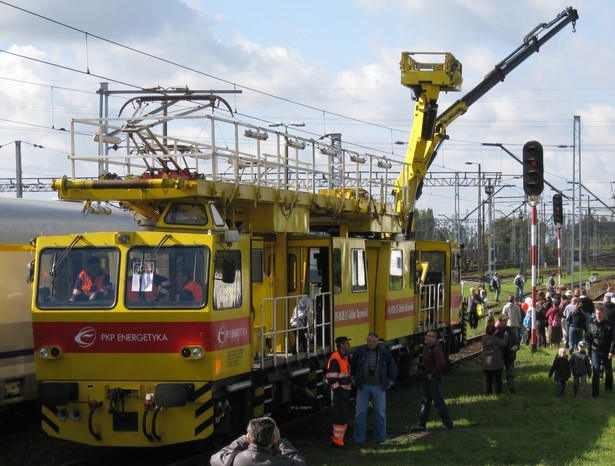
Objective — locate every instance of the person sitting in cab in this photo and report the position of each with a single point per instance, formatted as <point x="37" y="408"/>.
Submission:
<point x="92" y="283"/>
<point x="188" y="290"/>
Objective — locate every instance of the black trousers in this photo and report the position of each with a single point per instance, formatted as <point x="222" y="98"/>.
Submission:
<point x="339" y="406"/>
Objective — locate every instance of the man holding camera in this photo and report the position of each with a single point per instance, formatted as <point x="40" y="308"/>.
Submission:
<point x="373" y="371"/>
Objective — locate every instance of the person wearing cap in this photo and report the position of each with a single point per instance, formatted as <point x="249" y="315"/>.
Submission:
<point x="373" y="371"/>
<point x="601" y="338"/>
<point x="338" y="379"/>
<point x="509" y="335"/>
<point x="581" y="369"/>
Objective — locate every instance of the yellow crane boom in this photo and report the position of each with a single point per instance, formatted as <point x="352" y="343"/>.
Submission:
<point x="427" y="80"/>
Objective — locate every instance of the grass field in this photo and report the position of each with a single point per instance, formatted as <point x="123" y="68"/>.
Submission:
<point x="529" y="428"/>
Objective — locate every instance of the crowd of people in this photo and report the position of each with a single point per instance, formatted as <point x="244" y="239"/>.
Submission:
<point x="566" y="320"/>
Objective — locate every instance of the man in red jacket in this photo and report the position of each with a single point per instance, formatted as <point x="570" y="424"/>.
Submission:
<point x="433" y="365"/>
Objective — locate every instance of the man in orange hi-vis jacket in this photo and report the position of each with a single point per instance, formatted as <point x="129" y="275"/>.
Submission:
<point x="338" y="379"/>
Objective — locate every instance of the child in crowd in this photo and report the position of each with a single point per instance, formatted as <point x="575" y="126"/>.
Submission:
<point x="581" y="369"/>
<point x="527" y="327"/>
<point x="482" y="293"/>
<point x="561" y="369"/>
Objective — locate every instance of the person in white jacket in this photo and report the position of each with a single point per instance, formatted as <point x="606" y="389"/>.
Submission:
<point x="514" y="314"/>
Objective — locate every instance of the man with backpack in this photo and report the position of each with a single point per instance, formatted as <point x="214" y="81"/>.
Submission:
<point x="434" y="364"/>
<point x="519" y="283"/>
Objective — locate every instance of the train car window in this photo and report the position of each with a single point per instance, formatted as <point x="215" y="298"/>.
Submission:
<point x="71" y="278"/>
<point x="227" y="280"/>
<point x="186" y="214"/>
<point x="337" y="270"/>
<point x="436" y="274"/>
<point x="358" y="270"/>
<point x="396" y="278"/>
<point x="168" y="277"/>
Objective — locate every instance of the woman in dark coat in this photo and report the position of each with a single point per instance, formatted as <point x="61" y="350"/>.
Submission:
<point x="492" y="360"/>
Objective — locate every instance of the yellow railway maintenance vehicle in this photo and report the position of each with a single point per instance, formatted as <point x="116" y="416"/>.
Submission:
<point x="184" y="329"/>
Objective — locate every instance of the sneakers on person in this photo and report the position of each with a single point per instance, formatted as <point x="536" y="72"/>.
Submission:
<point x="418" y="428"/>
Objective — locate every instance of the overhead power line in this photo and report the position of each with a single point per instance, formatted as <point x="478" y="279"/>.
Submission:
<point x="171" y="62"/>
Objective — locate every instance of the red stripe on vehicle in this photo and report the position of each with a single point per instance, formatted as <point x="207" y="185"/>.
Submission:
<point x="141" y="337"/>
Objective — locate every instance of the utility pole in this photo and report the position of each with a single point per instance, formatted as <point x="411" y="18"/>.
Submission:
<point x="480" y="227"/>
<point x="18" y="171"/>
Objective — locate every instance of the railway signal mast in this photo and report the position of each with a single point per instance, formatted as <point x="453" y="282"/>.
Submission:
<point x="533" y="185"/>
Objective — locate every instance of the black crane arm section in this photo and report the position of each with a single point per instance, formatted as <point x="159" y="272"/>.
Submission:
<point x="531" y="44"/>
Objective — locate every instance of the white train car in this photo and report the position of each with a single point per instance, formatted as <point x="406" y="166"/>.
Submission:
<point x="20" y="221"/>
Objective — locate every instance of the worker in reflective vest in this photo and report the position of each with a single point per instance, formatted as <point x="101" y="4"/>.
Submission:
<point x="338" y="379"/>
<point x="92" y="283"/>
<point x="188" y="290"/>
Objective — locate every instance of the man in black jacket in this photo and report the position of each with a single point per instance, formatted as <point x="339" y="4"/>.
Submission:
<point x="601" y="338"/>
<point x="506" y="333"/>
<point x="609" y="308"/>
<point x="587" y="305"/>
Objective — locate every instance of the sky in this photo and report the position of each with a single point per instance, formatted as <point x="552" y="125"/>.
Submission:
<point x="332" y="64"/>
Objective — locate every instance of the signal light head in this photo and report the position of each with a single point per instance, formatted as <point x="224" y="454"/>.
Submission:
<point x="533" y="169"/>
<point x="558" y="210"/>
